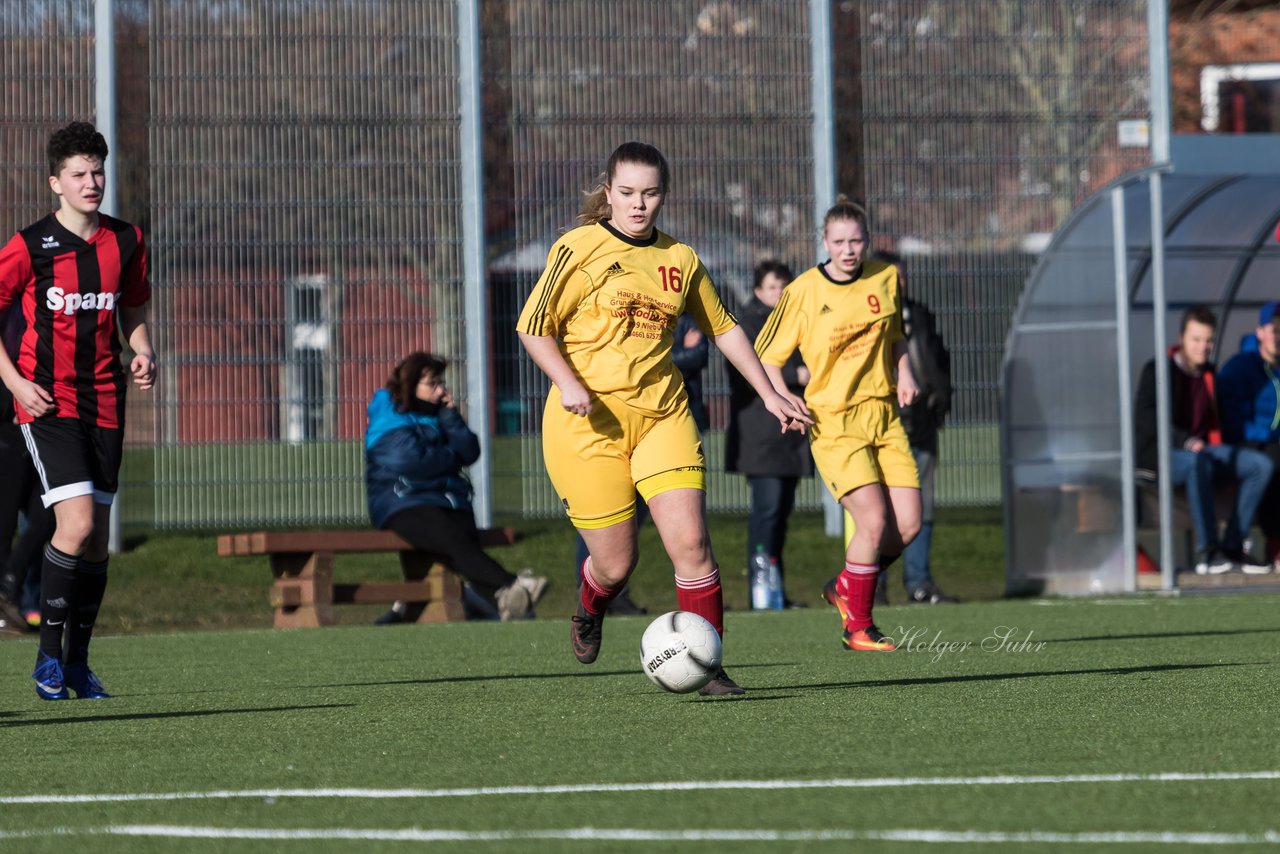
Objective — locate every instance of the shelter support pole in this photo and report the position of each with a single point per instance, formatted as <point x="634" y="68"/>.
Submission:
<point x="1128" y="485"/>
<point x="1164" y="481"/>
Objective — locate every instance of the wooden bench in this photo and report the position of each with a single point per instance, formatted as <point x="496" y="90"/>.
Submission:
<point x="1095" y="508"/>
<point x="304" y="594"/>
<point x="1091" y="508"/>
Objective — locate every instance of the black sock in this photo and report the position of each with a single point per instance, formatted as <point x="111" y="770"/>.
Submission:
<point x="86" y="598"/>
<point x="57" y="580"/>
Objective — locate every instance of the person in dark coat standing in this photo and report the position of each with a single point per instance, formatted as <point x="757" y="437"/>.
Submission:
<point x="773" y="462"/>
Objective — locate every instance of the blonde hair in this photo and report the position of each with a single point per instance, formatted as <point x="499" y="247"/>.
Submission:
<point x="845" y="210"/>
<point x="595" y="206"/>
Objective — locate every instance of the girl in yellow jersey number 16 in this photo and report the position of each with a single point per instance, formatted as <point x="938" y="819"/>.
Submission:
<point x="845" y="316"/>
<point x="599" y="323"/>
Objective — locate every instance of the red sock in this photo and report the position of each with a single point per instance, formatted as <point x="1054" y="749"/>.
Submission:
<point x="594" y="597"/>
<point x="704" y="597"/>
<point x="858" y="586"/>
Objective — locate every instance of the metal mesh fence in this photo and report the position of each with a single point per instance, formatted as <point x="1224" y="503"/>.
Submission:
<point x="304" y="195"/>
<point x="296" y="168"/>
<point x="723" y="90"/>
<point x="47" y="77"/>
<point x="984" y="125"/>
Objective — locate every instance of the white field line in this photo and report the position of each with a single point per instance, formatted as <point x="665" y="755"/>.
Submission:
<point x="591" y="834"/>
<point x="668" y="786"/>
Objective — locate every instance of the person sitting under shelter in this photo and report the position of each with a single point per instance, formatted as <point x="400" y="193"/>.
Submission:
<point x="1249" y="404"/>
<point x="1198" y="459"/>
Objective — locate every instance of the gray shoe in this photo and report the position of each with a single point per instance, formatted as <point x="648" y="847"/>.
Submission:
<point x="721" y="686"/>
<point x="11" y="618"/>
<point x="1213" y="562"/>
<point x="513" y="602"/>
<point x="928" y="594"/>
<point x="1247" y="563"/>
<point x="534" y="585"/>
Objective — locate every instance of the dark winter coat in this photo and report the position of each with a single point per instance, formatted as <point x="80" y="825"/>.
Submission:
<point x="1249" y="397"/>
<point x="931" y="367"/>
<point x="415" y="458"/>
<point x="1192" y="409"/>
<point x="692" y="362"/>
<point x="754" y="444"/>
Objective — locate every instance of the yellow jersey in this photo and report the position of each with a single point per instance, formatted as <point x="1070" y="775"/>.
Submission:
<point x="611" y="301"/>
<point x="845" y="332"/>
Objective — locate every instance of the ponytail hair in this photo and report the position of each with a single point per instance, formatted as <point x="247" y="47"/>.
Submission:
<point x="595" y="207"/>
<point x="845" y="210"/>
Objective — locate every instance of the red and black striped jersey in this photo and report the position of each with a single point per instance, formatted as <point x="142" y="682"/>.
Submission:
<point x="69" y="289"/>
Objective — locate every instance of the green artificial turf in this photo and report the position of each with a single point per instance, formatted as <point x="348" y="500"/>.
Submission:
<point x="1142" y="685"/>
<point x="175" y="580"/>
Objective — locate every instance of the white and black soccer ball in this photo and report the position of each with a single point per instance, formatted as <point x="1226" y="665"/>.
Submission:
<point x="680" y="652"/>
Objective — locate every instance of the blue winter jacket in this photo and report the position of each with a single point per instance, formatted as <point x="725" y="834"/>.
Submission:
<point x="1249" y="397"/>
<point x="413" y="459"/>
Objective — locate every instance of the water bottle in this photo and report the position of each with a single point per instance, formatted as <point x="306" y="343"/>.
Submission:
<point x="758" y="578"/>
<point x="775" y="585"/>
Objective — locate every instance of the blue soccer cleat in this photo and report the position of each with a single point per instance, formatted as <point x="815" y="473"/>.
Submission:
<point x="85" y="683"/>
<point x="48" y="676"/>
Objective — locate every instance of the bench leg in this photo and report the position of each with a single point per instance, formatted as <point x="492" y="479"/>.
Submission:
<point x="303" y="591"/>
<point x="445" y="605"/>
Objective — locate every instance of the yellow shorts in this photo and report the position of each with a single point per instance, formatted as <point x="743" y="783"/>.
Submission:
<point x="598" y="463"/>
<point x="862" y="444"/>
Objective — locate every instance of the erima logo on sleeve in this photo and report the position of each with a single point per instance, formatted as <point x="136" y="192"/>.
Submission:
<point x="59" y="300"/>
<point x="49" y="242"/>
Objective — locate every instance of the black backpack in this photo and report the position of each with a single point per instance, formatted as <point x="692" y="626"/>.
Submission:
<point x="930" y="363"/>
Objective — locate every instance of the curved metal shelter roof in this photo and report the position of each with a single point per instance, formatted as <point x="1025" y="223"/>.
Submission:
<point x="1060" y="430"/>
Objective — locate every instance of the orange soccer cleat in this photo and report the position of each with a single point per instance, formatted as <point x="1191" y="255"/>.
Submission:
<point x="869" y="639"/>
<point x="835" y="600"/>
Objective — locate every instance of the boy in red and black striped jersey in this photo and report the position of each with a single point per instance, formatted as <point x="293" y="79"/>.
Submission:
<point x="75" y="272"/>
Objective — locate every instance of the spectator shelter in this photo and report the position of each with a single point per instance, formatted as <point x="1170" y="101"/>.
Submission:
<point x="1086" y="325"/>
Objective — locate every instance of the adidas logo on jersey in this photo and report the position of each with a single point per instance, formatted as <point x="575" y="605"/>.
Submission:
<point x="826" y="309"/>
<point x="614" y="269"/>
<point x="49" y="242"/>
<point x="56" y="299"/>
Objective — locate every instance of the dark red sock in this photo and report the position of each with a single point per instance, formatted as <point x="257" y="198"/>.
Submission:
<point x="704" y="597"/>
<point x="857" y="583"/>
<point x="594" y="597"/>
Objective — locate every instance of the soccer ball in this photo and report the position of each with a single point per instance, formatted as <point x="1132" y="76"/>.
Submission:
<point x="680" y="652"/>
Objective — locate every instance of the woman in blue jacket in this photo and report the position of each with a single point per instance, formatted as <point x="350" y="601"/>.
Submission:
<point x="415" y="449"/>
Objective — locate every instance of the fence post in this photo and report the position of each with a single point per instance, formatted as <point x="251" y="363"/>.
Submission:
<point x="475" y="283"/>
<point x="822" y="97"/>
<point x="104" y="76"/>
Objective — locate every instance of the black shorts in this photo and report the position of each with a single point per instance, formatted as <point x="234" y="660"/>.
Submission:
<point x="75" y="458"/>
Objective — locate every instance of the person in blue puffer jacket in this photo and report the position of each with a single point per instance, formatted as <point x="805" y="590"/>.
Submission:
<point x="416" y="446"/>
<point x="1249" y="404"/>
